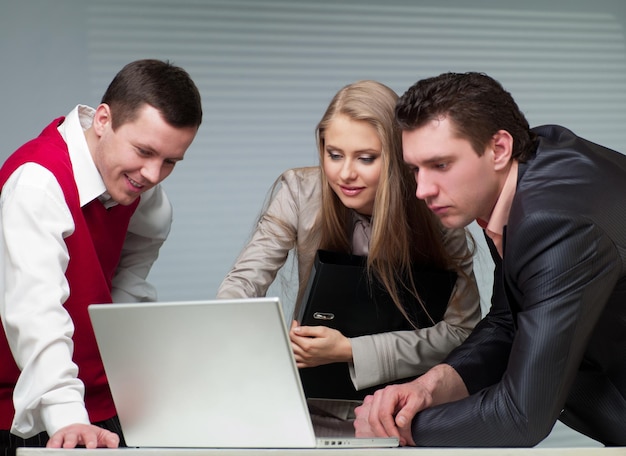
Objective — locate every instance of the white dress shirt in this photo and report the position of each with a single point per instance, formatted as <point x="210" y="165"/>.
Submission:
<point x="34" y="221"/>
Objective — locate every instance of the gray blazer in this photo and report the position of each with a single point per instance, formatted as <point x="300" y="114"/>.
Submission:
<point x="553" y="345"/>
<point x="378" y="358"/>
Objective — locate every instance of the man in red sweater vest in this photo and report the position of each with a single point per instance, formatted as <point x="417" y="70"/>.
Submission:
<point x="82" y="217"/>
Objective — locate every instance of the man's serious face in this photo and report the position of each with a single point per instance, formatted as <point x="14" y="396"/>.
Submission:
<point x="457" y="184"/>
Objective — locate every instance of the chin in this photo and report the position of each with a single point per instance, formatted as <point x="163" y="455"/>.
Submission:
<point x="126" y="200"/>
<point x="453" y="223"/>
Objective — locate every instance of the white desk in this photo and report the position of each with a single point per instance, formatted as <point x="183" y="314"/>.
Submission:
<point x="621" y="451"/>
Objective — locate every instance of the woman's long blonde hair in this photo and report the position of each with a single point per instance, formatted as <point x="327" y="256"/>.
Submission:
<point x="404" y="231"/>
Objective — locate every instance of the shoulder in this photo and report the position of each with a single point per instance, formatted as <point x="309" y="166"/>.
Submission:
<point x="305" y="182"/>
<point x="33" y="179"/>
<point x="571" y="178"/>
<point x="306" y="176"/>
<point x="558" y="238"/>
<point x="562" y="153"/>
<point x="48" y="150"/>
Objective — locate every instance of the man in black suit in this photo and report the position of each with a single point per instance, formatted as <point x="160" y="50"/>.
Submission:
<point x="553" y="207"/>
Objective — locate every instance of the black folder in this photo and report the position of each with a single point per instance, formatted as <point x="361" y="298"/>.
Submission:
<point x="341" y="295"/>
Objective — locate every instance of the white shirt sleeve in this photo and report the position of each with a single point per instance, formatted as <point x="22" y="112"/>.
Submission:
<point x="34" y="220"/>
<point x="147" y="231"/>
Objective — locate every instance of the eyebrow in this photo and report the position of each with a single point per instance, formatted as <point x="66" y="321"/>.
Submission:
<point x="359" y="151"/>
<point x="154" y="151"/>
<point x="435" y="159"/>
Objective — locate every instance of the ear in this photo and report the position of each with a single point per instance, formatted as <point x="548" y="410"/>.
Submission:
<point x="502" y="144"/>
<point x="102" y="119"/>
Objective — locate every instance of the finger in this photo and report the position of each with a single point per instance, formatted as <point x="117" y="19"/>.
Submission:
<point x="303" y="361"/>
<point x="406" y="414"/>
<point x="375" y="419"/>
<point x="302" y="345"/>
<point x="297" y="337"/>
<point x="69" y="439"/>
<point x="293" y="330"/>
<point x="90" y="439"/>
<point x="56" y="441"/>
<point x="297" y="349"/>
<point x="310" y="331"/>
<point x="300" y="356"/>
<point x="110" y="440"/>
<point x="293" y="337"/>
<point x="361" y="425"/>
<point x="406" y="437"/>
<point x="404" y="419"/>
<point x="386" y="404"/>
<point x="361" y="428"/>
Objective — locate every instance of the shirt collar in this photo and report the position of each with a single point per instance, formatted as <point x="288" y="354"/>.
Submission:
<point x="88" y="180"/>
<point x="361" y="234"/>
<point x="499" y="218"/>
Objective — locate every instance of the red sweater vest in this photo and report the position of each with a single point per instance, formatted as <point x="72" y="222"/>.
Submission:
<point x="94" y="249"/>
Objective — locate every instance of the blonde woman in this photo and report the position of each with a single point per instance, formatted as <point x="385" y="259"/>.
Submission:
<point x="359" y="200"/>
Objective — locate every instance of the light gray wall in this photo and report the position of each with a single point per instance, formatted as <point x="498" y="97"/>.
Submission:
<point x="267" y="69"/>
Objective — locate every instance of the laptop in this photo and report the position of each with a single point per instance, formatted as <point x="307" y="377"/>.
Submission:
<point x="207" y="374"/>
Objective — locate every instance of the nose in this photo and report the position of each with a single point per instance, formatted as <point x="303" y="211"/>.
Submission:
<point x="151" y="171"/>
<point x="347" y="171"/>
<point x="426" y="188"/>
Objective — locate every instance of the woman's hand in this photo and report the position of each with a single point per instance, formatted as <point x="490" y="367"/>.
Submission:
<point x="317" y="345"/>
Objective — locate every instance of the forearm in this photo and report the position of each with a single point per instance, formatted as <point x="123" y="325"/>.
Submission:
<point x="386" y="357"/>
<point x="444" y="385"/>
<point x="138" y="256"/>
<point x="267" y="250"/>
<point x="256" y="266"/>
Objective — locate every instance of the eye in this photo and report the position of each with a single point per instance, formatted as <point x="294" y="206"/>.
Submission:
<point x="368" y="159"/>
<point x="440" y="166"/>
<point x="333" y="155"/>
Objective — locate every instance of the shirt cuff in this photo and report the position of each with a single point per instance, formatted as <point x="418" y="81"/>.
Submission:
<point x="58" y="416"/>
<point x="364" y="369"/>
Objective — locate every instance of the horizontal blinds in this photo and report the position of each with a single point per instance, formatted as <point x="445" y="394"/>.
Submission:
<point x="267" y="69"/>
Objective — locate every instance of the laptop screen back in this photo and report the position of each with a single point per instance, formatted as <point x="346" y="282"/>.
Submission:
<point x="180" y="374"/>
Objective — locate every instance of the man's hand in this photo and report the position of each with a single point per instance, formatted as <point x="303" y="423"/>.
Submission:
<point x="83" y="434"/>
<point x="390" y="411"/>
<point x="316" y="345"/>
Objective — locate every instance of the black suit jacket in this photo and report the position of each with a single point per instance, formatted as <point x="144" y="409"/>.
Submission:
<point x="553" y="345"/>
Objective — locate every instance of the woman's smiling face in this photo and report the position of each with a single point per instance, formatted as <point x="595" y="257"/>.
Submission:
<point x="352" y="162"/>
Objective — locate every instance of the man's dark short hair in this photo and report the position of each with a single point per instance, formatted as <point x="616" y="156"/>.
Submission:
<point x="164" y="86"/>
<point x="477" y="106"/>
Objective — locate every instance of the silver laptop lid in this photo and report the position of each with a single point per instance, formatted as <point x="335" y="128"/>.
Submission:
<point x="180" y="374"/>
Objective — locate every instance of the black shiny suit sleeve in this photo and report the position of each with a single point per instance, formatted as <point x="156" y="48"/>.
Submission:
<point x="520" y="362"/>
